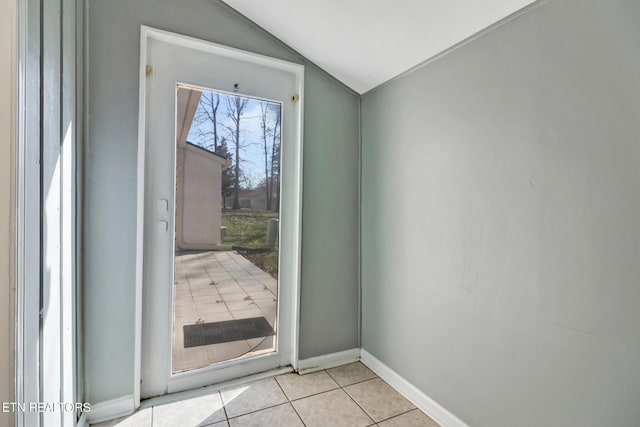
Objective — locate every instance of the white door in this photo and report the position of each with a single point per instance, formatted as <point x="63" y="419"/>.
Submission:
<point x="169" y="61"/>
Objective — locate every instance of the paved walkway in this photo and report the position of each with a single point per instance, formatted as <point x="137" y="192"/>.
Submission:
<point x="217" y="286"/>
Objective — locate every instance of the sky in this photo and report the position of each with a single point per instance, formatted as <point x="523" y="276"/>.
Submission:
<point x="252" y="145"/>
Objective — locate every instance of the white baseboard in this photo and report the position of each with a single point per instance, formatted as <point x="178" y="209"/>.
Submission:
<point x="108" y="410"/>
<point x="423" y="402"/>
<point x="326" y="361"/>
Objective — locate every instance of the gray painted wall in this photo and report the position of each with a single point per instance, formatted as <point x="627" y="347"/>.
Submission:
<point x="329" y="259"/>
<point x="501" y="197"/>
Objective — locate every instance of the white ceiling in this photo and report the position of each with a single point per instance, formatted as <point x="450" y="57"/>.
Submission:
<point x="364" y="43"/>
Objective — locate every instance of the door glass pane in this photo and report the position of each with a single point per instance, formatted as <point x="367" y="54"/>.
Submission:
<point x="225" y="290"/>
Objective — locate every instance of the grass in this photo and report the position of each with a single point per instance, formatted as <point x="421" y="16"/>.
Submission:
<point x="247" y="228"/>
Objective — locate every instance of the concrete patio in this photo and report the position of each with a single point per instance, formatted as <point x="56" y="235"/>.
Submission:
<point x="214" y="286"/>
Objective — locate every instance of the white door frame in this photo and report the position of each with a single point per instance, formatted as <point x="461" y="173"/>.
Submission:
<point x="27" y="210"/>
<point x="46" y="215"/>
<point x="146" y="34"/>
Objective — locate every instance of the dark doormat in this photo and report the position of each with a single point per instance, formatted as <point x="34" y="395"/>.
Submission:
<point x="229" y="330"/>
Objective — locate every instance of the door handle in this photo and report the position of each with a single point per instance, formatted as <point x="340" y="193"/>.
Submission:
<point x="162" y="211"/>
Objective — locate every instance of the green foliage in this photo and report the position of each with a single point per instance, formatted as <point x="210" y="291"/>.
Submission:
<point x="227" y="173"/>
<point x="248" y="228"/>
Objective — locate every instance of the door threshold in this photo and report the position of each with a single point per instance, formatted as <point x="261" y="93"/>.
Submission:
<point x="202" y="391"/>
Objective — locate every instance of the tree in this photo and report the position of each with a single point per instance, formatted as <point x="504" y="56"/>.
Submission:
<point x="227" y="182"/>
<point x="266" y="130"/>
<point x="275" y="160"/>
<point x="235" y="108"/>
<point x="269" y="124"/>
<point x="208" y="113"/>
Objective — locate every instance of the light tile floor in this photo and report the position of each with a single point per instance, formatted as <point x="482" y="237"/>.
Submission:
<point x="349" y="395"/>
<point x="213" y="287"/>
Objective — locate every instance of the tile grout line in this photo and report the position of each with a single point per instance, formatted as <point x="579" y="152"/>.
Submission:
<point x="386" y="419"/>
<point x="290" y="402"/>
<point x="312" y="394"/>
<point x="333" y="389"/>
<point x="263" y="409"/>
<point x="257" y="410"/>
<point x="347" y="385"/>
<point x="315" y="394"/>
<point x="361" y="408"/>
<point x="354" y="401"/>
<point x="224" y="408"/>
<point x="398" y="415"/>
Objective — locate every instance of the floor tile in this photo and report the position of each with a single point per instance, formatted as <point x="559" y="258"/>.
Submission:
<point x="298" y="386"/>
<point x="332" y="408"/>
<point x="280" y="416"/>
<point x="379" y="400"/>
<point x="251" y="397"/>
<point x="198" y="411"/>
<point x="351" y="374"/>
<point x="263" y="403"/>
<point x="141" y="418"/>
<point x="415" y="418"/>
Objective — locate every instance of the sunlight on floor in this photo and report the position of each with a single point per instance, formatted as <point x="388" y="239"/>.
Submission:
<point x="349" y="395"/>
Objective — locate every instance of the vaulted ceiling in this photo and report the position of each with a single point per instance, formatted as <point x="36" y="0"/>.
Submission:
<point x="364" y="43"/>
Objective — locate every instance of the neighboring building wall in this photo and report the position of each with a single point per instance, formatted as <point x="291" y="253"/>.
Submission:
<point x="199" y="200"/>
<point x="329" y="278"/>
<point x="501" y="199"/>
<point x="245" y="203"/>
<point x="7" y="144"/>
<point x="256" y="199"/>
<point x="258" y="202"/>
